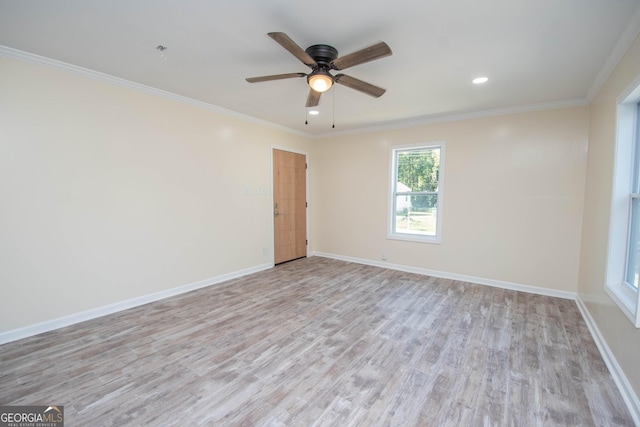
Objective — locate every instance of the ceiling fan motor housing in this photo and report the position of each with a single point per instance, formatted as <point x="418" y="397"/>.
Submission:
<point x="322" y="53"/>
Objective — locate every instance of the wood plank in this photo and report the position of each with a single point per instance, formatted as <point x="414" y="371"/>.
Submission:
<point x="323" y="342"/>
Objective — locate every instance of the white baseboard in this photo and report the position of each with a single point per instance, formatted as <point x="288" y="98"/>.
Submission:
<point x="71" y="319"/>
<point x="454" y="276"/>
<point x="627" y="392"/>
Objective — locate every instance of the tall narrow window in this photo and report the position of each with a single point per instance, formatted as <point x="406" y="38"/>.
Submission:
<point x="623" y="263"/>
<point x="633" y="248"/>
<point x="416" y="192"/>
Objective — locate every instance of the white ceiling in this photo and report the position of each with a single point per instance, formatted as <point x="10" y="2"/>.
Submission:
<point x="535" y="52"/>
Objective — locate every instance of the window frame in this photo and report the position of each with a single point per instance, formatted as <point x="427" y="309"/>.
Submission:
<point x="625" y="182"/>
<point x="393" y="173"/>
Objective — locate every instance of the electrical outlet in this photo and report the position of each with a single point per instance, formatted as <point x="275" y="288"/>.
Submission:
<point x="383" y="255"/>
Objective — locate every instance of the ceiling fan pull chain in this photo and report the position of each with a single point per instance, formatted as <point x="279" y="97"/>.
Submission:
<point x="306" y="112"/>
<point x="333" y="125"/>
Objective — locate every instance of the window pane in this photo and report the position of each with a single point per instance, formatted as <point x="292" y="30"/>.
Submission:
<point x="636" y="154"/>
<point x="418" y="170"/>
<point x="633" y="260"/>
<point x="416" y="214"/>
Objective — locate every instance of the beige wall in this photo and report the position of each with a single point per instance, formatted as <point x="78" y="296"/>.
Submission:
<point x="108" y="194"/>
<point x="620" y="335"/>
<point x="513" y="197"/>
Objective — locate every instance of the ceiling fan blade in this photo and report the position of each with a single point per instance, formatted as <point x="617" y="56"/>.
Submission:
<point x="356" y="84"/>
<point x="274" y="77"/>
<point x="286" y="42"/>
<point x="370" y="53"/>
<point x="313" y="99"/>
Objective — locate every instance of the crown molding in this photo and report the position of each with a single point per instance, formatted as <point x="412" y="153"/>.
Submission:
<point x="624" y="43"/>
<point x="444" y="118"/>
<point x="395" y="125"/>
<point x="11" y="53"/>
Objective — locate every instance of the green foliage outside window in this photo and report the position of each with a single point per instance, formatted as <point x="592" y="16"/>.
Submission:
<point x="418" y="170"/>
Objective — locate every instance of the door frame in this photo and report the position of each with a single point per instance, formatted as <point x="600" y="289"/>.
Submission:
<point x="306" y="179"/>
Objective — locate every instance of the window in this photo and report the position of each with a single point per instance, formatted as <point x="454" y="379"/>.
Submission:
<point x="623" y="263"/>
<point x="633" y="247"/>
<point x="415" y="207"/>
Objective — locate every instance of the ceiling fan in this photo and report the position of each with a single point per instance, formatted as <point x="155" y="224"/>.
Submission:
<point x="322" y="58"/>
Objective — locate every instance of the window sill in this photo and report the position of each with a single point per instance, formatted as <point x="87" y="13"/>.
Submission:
<point x="414" y="238"/>
<point x="625" y="302"/>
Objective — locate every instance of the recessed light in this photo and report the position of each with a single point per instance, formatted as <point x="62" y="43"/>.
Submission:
<point x="314" y="112"/>
<point x="480" y="80"/>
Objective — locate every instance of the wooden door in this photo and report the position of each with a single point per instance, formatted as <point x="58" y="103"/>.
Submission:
<point x="289" y="206"/>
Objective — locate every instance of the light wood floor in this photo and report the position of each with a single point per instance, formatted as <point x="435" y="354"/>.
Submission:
<point x="328" y="343"/>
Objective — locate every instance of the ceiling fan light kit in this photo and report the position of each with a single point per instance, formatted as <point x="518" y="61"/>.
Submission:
<point x="322" y="58"/>
<point x="320" y="81"/>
